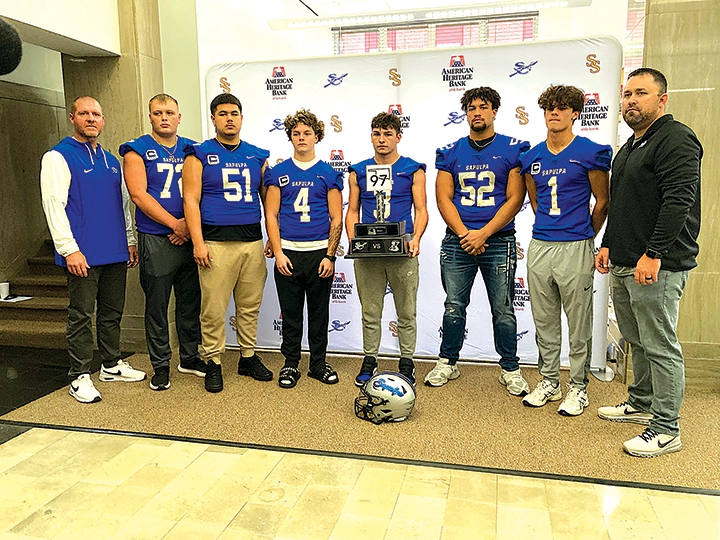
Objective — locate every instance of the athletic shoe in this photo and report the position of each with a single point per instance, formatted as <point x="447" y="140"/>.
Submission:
<point x="574" y="403"/>
<point x="122" y="371"/>
<point x="514" y="382"/>
<point x="442" y="373"/>
<point x="368" y="369"/>
<point x="544" y="391"/>
<point x="161" y="379"/>
<point x="253" y="367"/>
<point x="650" y="443"/>
<point x="624" y="412"/>
<point x="194" y="366"/>
<point x="213" y="377"/>
<point x="407" y="367"/>
<point x="84" y="390"/>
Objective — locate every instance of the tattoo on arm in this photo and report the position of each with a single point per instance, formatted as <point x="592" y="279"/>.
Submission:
<point x="334" y="238"/>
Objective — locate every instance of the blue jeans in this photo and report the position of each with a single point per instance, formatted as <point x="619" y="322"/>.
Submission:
<point x="457" y="271"/>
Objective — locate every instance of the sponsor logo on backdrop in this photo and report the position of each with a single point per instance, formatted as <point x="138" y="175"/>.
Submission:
<point x="341" y="290"/>
<point x="340" y="251"/>
<point x="335" y="80"/>
<point x="440" y="333"/>
<point x="593" y="112"/>
<point x="337" y="161"/>
<point x="522" y="295"/>
<point x="524" y="206"/>
<point x="388" y="290"/>
<point x="337" y="326"/>
<point x="224" y="85"/>
<point x="455" y="118"/>
<point x="336" y="123"/>
<point x="279" y="160"/>
<point x="396" y="109"/>
<point x="392" y="326"/>
<point x="277" y="125"/>
<point x="521" y="68"/>
<point x="519" y="250"/>
<point x="277" y="325"/>
<point x="592" y="63"/>
<point x="279" y="84"/>
<point x="522" y="115"/>
<point x="522" y="334"/>
<point x="458" y="74"/>
<point x="394" y="76"/>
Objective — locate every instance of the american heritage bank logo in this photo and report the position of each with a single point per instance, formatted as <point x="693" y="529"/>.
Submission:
<point x="337" y="161"/>
<point x="522" y="295"/>
<point x="593" y="112"/>
<point x="341" y="289"/>
<point x="458" y="74"/>
<point x="279" y="84"/>
<point x="396" y="109"/>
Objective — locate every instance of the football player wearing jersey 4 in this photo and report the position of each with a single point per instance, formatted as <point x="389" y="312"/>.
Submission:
<point x="479" y="190"/>
<point x="153" y="167"/>
<point x="373" y="275"/>
<point x="303" y="216"/>
<point x="560" y="174"/>
<point x="222" y="190"/>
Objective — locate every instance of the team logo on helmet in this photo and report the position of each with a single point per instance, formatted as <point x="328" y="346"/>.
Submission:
<point x="387" y="397"/>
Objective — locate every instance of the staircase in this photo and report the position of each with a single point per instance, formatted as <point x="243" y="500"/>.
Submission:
<point x="41" y="321"/>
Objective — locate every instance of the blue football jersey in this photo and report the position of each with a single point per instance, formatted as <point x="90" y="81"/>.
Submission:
<point x="303" y="215"/>
<point x="163" y="169"/>
<point x="480" y="176"/>
<point x="563" y="189"/>
<point x="231" y="182"/>
<point x="399" y="201"/>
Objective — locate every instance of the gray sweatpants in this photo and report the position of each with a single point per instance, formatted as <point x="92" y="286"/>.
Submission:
<point x="560" y="275"/>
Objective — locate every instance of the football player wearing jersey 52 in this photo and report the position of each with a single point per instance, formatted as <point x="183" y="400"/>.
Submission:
<point x="479" y="190"/>
<point x="561" y="173"/>
<point x="153" y="168"/>
<point x="223" y="188"/>
<point x="303" y="216"/>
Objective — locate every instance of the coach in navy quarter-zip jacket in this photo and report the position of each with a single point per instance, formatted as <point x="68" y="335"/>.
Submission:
<point x="88" y="214"/>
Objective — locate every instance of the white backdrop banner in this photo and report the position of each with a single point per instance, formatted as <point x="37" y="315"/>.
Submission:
<point x="424" y="88"/>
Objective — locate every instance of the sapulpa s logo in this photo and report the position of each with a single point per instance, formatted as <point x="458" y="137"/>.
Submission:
<point x="337" y="161"/>
<point x="396" y="109"/>
<point x="458" y="74"/>
<point x="279" y="84"/>
<point x="277" y="125"/>
<point x="341" y="289"/>
<point x="338" y="326"/>
<point x="593" y="112"/>
<point x="522" y="295"/>
<point x="455" y="118"/>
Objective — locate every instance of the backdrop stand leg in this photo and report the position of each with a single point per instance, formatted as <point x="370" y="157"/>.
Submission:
<point x="605" y="374"/>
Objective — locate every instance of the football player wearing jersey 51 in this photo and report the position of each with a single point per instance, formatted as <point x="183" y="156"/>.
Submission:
<point x="561" y="173"/>
<point x="374" y="274"/>
<point x="222" y="189"/>
<point x="479" y="190"/>
<point x="303" y="216"/>
<point x="153" y="167"/>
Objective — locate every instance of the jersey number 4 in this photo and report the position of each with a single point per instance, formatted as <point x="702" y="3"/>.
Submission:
<point x="169" y="168"/>
<point x="233" y="188"/>
<point x="475" y="196"/>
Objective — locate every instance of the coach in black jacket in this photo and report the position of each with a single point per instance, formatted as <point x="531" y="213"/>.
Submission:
<point x="649" y="246"/>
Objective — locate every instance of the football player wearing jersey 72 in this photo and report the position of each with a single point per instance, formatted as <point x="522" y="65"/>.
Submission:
<point x="479" y="191"/>
<point x="223" y="188"/>
<point x="153" y="168"/>
<point x="561" y="173"/>
<point x="303" y="216"/>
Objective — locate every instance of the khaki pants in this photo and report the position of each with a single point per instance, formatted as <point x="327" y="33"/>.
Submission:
<point x="238" y="268"/>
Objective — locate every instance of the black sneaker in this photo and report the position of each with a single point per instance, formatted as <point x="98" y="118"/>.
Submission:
<point x="213" y="377"/>
<point x="406" y="367"/>
<point x="253" y="367"/>
<point x="368" y="369"/>
<point x="161" y="379"/>
<point x="194" y="366"/>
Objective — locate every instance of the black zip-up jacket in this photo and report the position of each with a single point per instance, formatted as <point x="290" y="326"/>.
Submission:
<point x="655" y="197"/>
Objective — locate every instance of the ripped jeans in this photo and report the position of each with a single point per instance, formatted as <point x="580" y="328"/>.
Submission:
<point x="497" y="267"/>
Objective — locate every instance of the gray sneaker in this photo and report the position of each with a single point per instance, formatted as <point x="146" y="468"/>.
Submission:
<point x="442" y="373"/>
<point x="544" y="391"/>
<point x="624" y="412"/>
<point x="650" y="443"/>
<point x="514" y="382"/>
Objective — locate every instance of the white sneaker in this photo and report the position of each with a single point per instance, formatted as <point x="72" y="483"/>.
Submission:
<point x="442" y="373"/>
<point x="121" y="372"/>
<point x="650" y="443"/>
<point x="515" y="383"/>
<point x="624" y="412"/>
<point x="84" y="390"/>
<point x="574" y="403"/>
<point x="544" y="392"/>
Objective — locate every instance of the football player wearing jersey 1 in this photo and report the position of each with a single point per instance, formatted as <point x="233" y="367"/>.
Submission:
<point x="561" y="173"/>
<point x="303" y="216"/>
<point x="479" y="191"/>
<point x="153" y="167"/>
<point x="222" y="189"/>
<point x="373" y="275"/>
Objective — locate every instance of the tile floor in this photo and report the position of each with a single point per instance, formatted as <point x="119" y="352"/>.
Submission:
<point x="57" y="484"/>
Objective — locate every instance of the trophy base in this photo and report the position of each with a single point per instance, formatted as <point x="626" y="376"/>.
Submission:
<point x="379" y="246"/>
